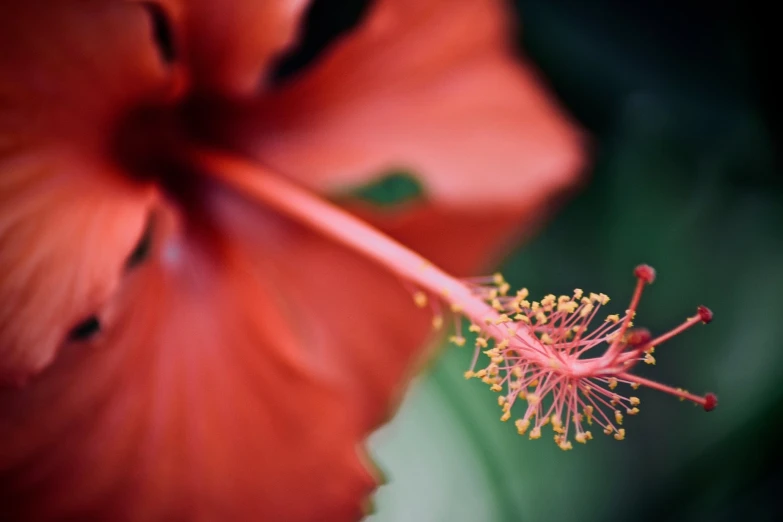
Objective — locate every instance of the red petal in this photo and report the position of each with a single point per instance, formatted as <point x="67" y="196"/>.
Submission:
<point x="230" y="43"/>
<point x="198" y="403"/>
<point x="68" y="220"/>
<point x="429" y="86"/>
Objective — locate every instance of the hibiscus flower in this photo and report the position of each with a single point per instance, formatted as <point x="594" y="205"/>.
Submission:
<point x="186" y="331"/>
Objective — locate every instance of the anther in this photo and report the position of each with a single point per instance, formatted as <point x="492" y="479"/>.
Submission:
<point x="437" y="322"/>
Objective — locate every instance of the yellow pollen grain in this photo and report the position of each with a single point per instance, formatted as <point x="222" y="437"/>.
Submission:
<point x="620" y="435"/>
<point x="469" y="374"/>
<point x="614" y="318"/>
<point x="568" y="307"/>
<point x="522" y="425"/>
<point x="457" y="340"/>
<point x="578" y="293"/>
<point x="634" y="401"/>
<point x="481" y="342"/>
<point x="632" y="411"/>
<point x="474" y="328"/>
<point x="535" y="433"/>
<point x="649" y="359"/>
<point x="612" y="383"/>
<point x="522" y="293"/>
<point x="502" y="318"/>
<point x="618" y="417"/>
<point x="456" y="308"/>
<point x="420" y="298"/>
<point x="437" y="322"/>
<point x="635" y="385"/>
<point x="505" y="416"/>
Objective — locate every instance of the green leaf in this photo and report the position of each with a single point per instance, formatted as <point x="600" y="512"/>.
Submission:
<point x="391" y="189"/>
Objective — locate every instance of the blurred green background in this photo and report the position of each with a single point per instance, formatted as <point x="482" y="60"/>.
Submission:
<point x="678" y="100"/>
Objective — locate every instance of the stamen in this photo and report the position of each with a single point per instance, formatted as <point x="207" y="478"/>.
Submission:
<point x="538" y="351"/>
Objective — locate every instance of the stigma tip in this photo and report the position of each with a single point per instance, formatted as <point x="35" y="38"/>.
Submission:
<point x="705" y="314"/>
<point x="710" y="402"/>
<point x="645" y="272"/>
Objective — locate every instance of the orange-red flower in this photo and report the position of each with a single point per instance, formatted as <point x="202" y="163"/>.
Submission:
<point x="178" y="342"/>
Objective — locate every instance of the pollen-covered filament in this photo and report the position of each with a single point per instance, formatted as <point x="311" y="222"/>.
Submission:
<point x="541" y="353"/>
